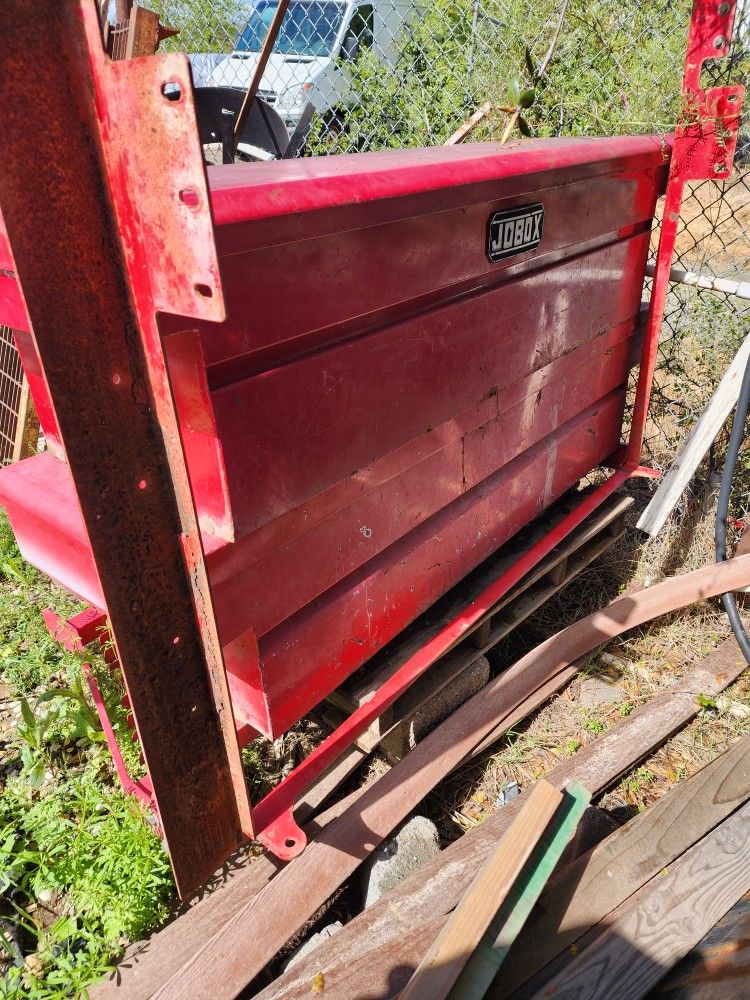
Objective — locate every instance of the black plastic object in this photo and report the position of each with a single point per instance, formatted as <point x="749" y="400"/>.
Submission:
<point x="216" y="107"/>
<point x="735" y="442"/>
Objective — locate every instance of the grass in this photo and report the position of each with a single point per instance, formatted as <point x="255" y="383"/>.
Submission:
<point x="81" y="871"/>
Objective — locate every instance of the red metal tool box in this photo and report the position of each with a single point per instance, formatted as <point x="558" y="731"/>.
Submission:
<point x="288" y="406"/>
<point x="385" y="404"/>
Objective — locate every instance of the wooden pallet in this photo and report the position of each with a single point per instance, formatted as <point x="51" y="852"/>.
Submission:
<point x="397" y="729"/>
<point x="19" y="424"/>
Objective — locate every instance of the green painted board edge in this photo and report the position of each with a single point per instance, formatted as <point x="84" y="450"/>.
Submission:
<point x="481" y="969"/>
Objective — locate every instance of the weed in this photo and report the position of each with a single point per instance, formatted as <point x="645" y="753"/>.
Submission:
<point x="636" y="784"/>
<point x="706" y="702"/>
<point x="84" y="842"/>
<point x="31" y="742"/>
<point x="67" y="833"/>
<point x="28" y="654"/>
<point x="595" y="726"/>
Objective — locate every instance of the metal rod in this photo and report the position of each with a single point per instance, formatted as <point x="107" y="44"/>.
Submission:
<point x="265" y="52"/>
<point x="741" y="289"/>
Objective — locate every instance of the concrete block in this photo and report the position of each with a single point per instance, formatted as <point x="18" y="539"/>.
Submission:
<point x="312" y="943"/>
<point x="398" y="857"/>
<point x="424" y="710"/>
<point x="595" y="691"/>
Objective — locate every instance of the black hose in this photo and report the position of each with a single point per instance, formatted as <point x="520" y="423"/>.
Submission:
<point x="735" y="442"/>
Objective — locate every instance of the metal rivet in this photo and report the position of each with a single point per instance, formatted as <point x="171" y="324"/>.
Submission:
<point x="719" y="42"/>
<point x="723" y="9"/>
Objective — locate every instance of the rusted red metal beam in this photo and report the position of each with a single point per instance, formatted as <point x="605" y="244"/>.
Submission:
<point x="81" y="199"/>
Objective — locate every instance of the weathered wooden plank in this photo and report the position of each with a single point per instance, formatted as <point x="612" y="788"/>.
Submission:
<point x="376" y="952"/>
<point x="248" y="942"/>
<point x="636" y="951"/>
<point x="493" y="949"/>
<point x="329" y="781"/>
<point x="592" y="886"/>
<point x="336" y="854"/>
<point x="454" y="945"/>
<point x="172" y="986"/>
<point x="701" y="437"/>
<point x="722" y="957"/>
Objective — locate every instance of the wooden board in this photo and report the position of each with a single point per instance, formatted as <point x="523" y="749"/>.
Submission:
<point x="261" y="924"/>
<point x="722" y="956"/>
<point x="493" y="949"/>
<point x="596" y="883"/>
<point x="376" y="952"/>
<point x="701" y="438"/>
<point x="245" y="945"/>
<point x="454" y="945"/>
<point x="328" y="783"/>
<point x="679" y="907"/>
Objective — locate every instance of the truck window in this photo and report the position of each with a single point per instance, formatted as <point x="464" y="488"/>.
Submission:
<point x="309" y="27"/>
<point x="359" y="34"/>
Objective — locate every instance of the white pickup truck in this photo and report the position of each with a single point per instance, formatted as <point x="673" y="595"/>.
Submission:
<point x="309" y="60"/>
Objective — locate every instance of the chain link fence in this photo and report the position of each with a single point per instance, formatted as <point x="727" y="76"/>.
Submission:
<point x="357" y="76"/>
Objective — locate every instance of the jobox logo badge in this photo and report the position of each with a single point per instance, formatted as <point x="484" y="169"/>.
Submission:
<point x="515" y="231"/>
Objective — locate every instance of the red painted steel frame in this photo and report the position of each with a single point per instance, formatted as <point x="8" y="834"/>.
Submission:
<point x="703" y="148"/>
<point x="85" y="202"/>
<point x="704" y="145"/>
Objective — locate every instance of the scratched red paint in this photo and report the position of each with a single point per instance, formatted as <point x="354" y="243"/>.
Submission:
<point x="381" y="406"/>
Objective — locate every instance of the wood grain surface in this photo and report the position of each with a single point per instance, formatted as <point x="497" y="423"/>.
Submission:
<point x="374" y="955"/>
<point x="582" y="894"/>
<point x="454" y="945"/>
<point x="680" y="907"/>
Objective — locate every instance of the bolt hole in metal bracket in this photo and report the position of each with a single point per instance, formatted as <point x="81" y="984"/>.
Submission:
<point x="703" y="148"/>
